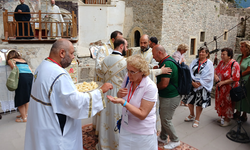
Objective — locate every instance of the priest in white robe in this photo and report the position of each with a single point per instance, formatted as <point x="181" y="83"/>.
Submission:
<point x="103" y="51"/>
<point x="146" y="52"/>
<point x="55" y="29"/>
<point x="114" y="70"/>
<point x="56" y="106"/>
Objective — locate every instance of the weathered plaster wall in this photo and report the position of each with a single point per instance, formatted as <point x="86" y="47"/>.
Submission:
<point x="97" y="22"/>
<point x="184" y="19"/>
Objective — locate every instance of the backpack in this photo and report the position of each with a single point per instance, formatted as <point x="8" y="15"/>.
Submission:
<point x="184" y="78"/>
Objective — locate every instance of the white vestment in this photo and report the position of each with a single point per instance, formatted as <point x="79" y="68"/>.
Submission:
<point x="103" y="51"/>
<point x="148" y="56"/>
<point x="53" y="92"/>
<point x="114" y="70"/>
<point x="55" y="28"/>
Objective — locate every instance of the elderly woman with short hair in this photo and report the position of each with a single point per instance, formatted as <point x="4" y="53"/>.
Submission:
<point x="179" y="54"/>
<point x="202" y="73"/>
<point x="227" y="75"/>
<point x="138" y="98"/>
<point x="244" y="61"/>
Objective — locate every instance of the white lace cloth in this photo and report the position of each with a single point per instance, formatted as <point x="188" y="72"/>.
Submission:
<point x="6" y="96"/>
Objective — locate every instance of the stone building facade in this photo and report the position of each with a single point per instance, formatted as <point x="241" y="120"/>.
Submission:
<point x="192" y="22"/>
<point x="173" y="22"/>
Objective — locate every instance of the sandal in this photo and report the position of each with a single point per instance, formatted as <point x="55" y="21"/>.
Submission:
<point x="189" y="118"/>
<point x="19" y="116"/>
<point x="21" y="120"/>
<point x="195" y="124"/>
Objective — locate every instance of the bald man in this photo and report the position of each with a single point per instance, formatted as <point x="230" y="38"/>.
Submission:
<point x="56" y="106"/>
<point x="168" y="96"/>
<point x="146" y="51"/>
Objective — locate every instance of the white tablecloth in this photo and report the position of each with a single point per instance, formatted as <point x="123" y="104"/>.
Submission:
<point x="6" y="97"/>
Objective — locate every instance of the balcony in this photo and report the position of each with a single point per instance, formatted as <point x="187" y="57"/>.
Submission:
<point x="96" y="1"/>
<point x="40" y="25"/>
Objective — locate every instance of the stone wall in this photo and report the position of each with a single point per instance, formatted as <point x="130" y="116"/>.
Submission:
<point x="243" y="29"/>
<point x="145" y="14"/>
<point x="185" y="19"/>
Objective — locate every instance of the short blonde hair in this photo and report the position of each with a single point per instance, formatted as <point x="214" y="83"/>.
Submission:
<point x="138" y="62"/>
<point x="247" y="43"/>
<point x="182" y="47"/>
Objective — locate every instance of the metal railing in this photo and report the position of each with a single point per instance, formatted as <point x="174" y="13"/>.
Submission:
<point x="40" y="27"/>
<point x="97" y="1"/>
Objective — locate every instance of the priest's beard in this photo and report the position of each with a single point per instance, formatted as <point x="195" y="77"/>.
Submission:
<point x="66" y="61"/>
<point x="124" y="52"/>
<point x="144" y="49"/>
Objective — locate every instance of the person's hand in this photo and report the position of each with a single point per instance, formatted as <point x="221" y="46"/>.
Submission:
<point x="19" y="11"/>
<point x="156" y="67"/>
<point x="182" y="60"/>
<point x="198" y="83"/>
<point x="115" y="100"/>
<point x="195" y="84"/>
<point x="166" y="70"/>
<point x="220" y="83"/>
<point x="122" y="92"/>
<point x="106" y="86"/>
<point x="216" y="78"/>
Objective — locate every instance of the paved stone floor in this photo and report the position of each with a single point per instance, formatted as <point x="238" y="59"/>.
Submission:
<point x="208" y="136"/>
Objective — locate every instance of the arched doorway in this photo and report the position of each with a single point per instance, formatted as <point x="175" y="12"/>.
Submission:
<point x="134" y="37"/>
<point x="137" y="36"/>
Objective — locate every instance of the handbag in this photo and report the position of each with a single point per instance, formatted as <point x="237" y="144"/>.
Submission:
<point x="238" y="93"/>
<point x="12" y="81"/>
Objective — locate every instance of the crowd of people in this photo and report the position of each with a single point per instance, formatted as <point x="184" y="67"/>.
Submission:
<point x="140" y="91"/>
<point x="141" y="107"/>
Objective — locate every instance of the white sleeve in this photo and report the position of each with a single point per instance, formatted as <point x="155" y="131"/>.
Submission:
<point x="153" y="63"/>
<point x="65" y="99"/>
<point x="98" y="61"/>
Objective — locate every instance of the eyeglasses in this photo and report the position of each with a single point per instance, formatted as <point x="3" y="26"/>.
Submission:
<point x="132" y="72"/>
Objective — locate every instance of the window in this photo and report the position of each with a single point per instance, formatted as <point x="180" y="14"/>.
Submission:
<point x="202" y="36"/>
<point x="225" y="35"/>
<point x="192" y="46"/>
<point x="137" y="38"/>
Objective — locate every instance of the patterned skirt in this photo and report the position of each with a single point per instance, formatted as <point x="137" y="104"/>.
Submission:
<point x="199" y="98"/>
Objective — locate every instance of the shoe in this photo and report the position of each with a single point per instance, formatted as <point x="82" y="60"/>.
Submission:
<point x="189" y="118"/>
<point x="172" y="145"/>
<point x="225" y="124"/>
<point x="195" y="124"/>
<point x="0" y="116"/>
<point x="243" y="119"/>
<point x="21" y="120"/>
<point x="162" y="141"/>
